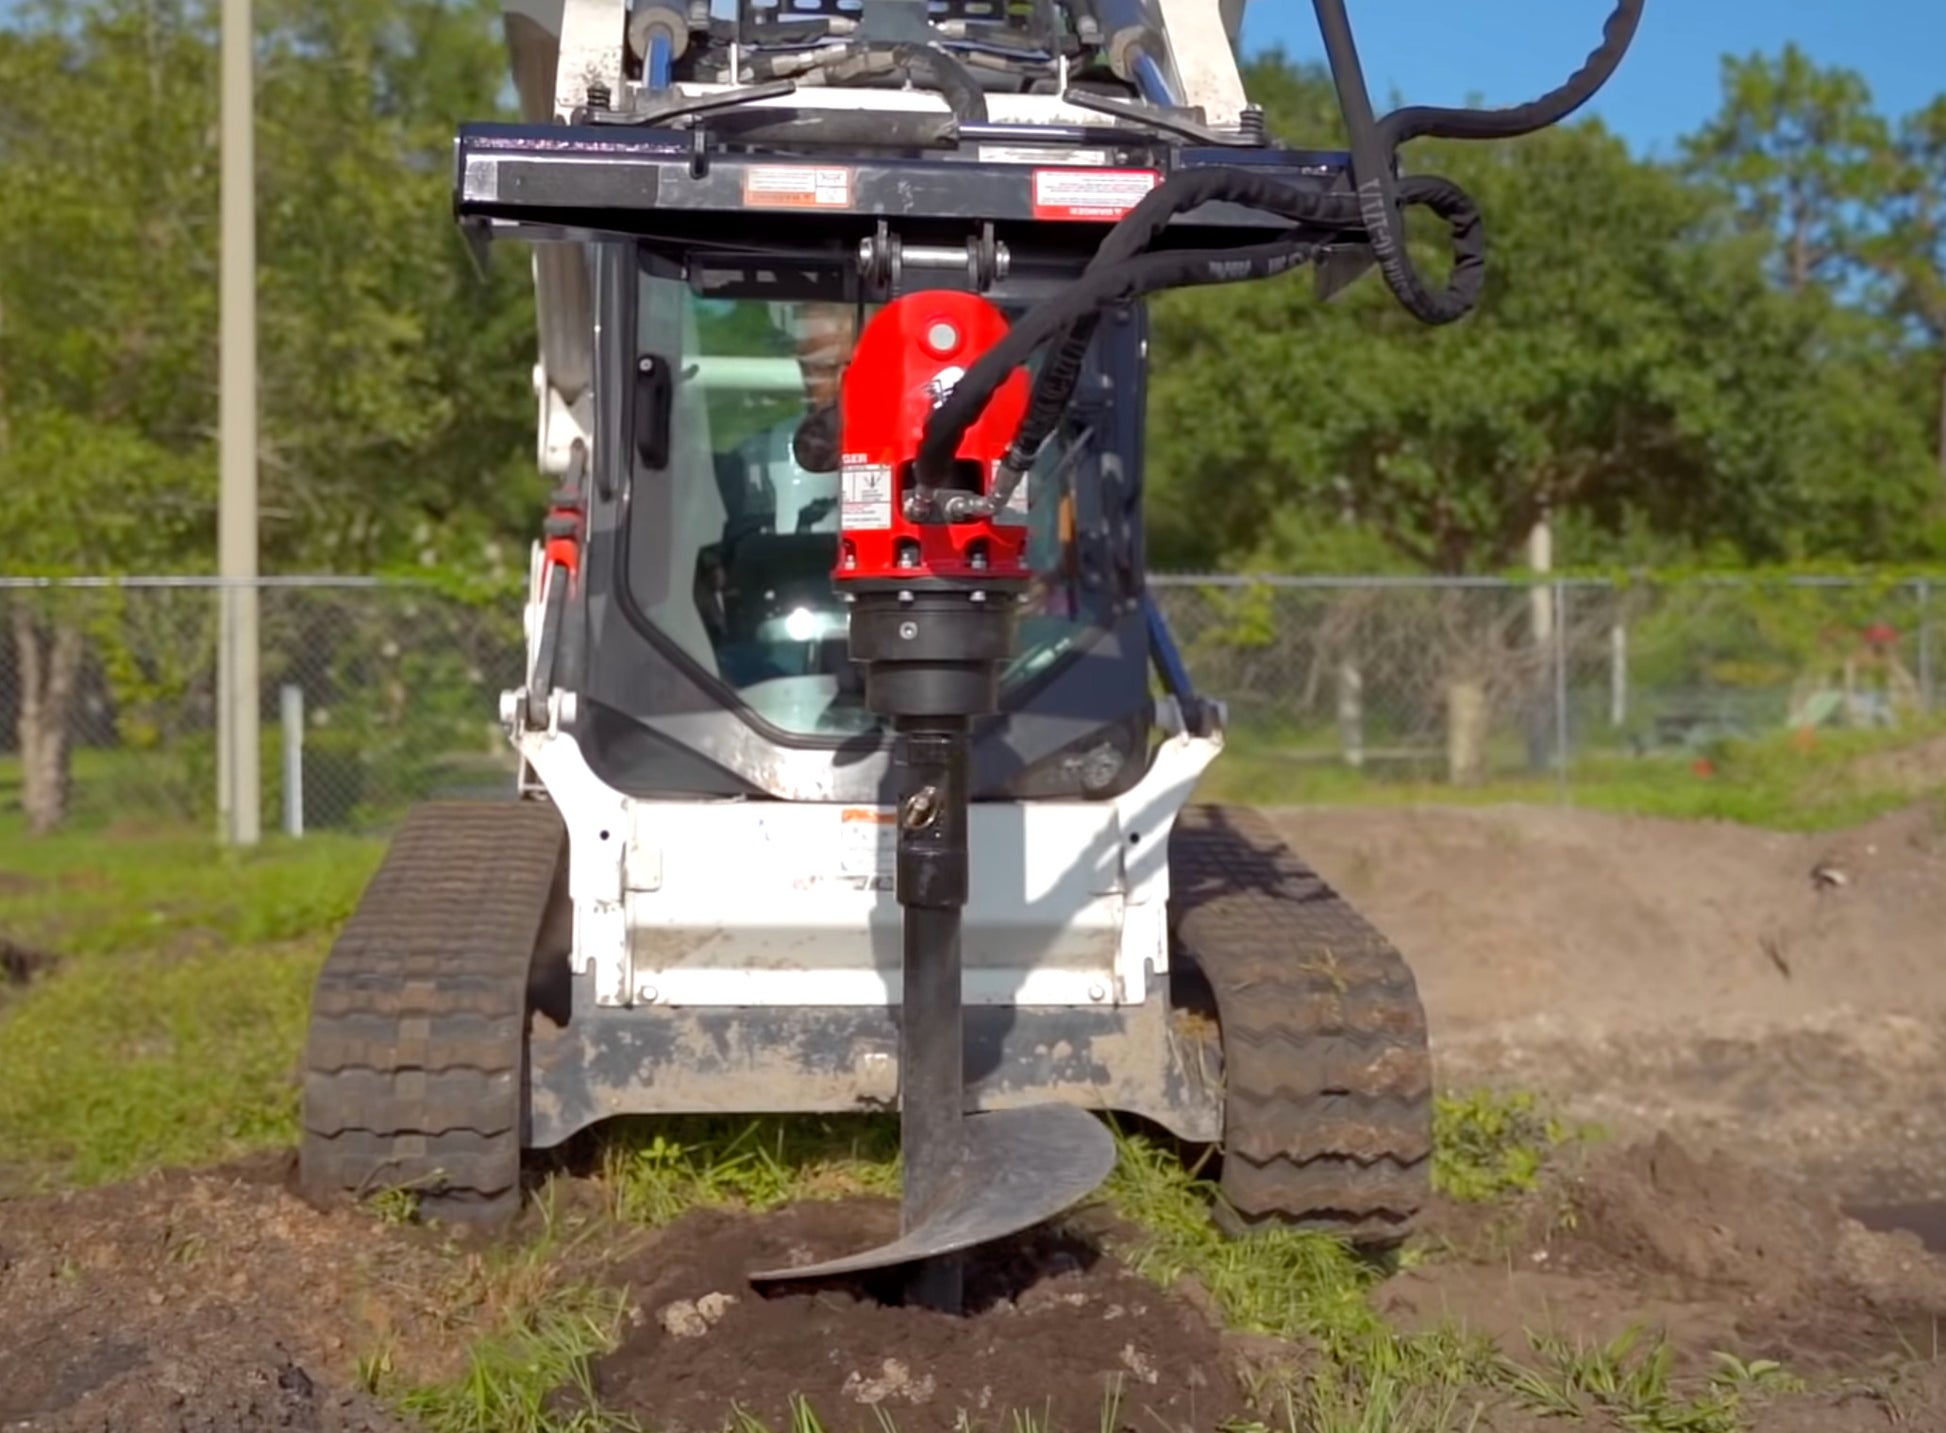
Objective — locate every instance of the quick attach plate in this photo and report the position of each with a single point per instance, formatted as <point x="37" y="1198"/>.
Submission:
<point x="573" y="182"/>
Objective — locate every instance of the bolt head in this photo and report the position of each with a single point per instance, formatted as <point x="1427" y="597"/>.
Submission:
<point x="942" y="338"/>
<point x="908" y="630"/>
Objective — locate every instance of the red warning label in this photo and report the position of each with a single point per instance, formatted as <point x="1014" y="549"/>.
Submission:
<point x="797" y="186"/>
<point x="1090" y="193"/>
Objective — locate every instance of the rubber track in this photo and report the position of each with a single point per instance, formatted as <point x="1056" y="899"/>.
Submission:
<point x="1327" y="1072"/>
<point x="414" y="1067"/>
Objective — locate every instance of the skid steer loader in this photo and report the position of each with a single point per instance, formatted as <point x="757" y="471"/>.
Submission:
<point x="855" y="758"/>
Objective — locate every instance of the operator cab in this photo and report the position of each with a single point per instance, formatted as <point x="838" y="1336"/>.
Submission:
<point x="724" y="667"/>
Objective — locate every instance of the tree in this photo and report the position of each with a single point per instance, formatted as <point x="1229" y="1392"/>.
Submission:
<point x="1803" y="155"/>
<point x="105" y="193"/>
<point x="1629" y="370"/>
<point x="394" y="402"/>
<point x="1909" y="256"/>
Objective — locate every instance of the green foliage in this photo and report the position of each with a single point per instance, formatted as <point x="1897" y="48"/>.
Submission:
<point x="656" y="1170"/>
<point x="1636" y="372"/>
<point x="1488" y="1146"/>
<point x="1634" y="1386"/>
<point x="395" y="401"/>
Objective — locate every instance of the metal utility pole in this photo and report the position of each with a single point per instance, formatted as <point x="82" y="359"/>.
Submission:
<point x="239" y="754"/>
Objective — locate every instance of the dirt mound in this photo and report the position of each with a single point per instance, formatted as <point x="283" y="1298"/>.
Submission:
<point x="219" y="1303"/>
<point x="195" y="1303"/>
<point x="1722" y="1255"/>
<point x="1779" y="995"/>
<point x="1056" y="1332"/>
<point x="1511" y="914"/>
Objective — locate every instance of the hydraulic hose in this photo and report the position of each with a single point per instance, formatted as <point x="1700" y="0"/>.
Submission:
<point x="1374" y="143"/>
<point x="1103" y="289"/>
<point x="1073" y="317"/>
<point x="1121" y="269"/>
<point x="1415" y="121"/>
<point x="1120" y="273"/>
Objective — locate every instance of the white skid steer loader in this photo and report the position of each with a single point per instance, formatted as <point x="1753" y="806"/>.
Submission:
<point x="855" y="757"/>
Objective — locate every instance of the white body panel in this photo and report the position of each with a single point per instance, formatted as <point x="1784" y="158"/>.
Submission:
<point x="738" y="903"/>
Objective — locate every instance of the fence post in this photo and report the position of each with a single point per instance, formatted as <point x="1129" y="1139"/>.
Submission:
<point x="1925" y="647"/>
<point x="1561" y="685"/>
<point x="291" y="710"/>
<point x="1351" y="713"/>
<point x="1618" y="673"/>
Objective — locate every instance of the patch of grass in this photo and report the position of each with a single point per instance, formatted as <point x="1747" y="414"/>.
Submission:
<point x="532" y="1315"/>
<point x="169" y="1032"/>
<point x="1774" y="782"/>
<point x="655" y="1170"/>
<point x="1489" y="1145"/>
<point x="1286" y="1283"/>
<point x="534" y="1374"/>
<point x="78" y="895"/>
<point x="118" y="1066"/>
<point x="1630" y="1382"/>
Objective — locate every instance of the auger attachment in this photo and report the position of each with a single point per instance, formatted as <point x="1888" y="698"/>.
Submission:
<point x="933" y="566"/>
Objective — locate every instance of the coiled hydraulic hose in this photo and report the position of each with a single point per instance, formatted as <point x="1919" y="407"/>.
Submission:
<point x="1375" y="142"/>
<point x="1121" y="271"/>
<point x="1376" y="209"/>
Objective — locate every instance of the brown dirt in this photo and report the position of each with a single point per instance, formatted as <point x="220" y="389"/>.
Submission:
<point x="19" y="964"/>
<point x="1778" y="995"/>
<point x="212" y="1302"/>
<point x="1053" y="1326"/>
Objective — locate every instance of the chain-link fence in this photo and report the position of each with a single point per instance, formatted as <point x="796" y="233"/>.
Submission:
<point x="1468" y="681"/>
<point x="374" y="695"/>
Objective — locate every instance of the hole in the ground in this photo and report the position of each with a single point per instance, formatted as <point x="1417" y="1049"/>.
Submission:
<point x="20" y="965"/>
<point x="1926" y="1219"/>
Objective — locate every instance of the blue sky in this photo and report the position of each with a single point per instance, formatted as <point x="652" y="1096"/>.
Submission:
<point x="1507" y="51"/>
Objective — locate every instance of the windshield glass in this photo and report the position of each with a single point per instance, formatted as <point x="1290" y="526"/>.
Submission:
<point x="731" y="550"/>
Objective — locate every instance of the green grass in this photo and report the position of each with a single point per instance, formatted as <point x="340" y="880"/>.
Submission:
<point x="167" y="1033"/>
<point x="1773" y="782"/>
<point x="1489" y="1146"/>
<point x="78" y="894"/>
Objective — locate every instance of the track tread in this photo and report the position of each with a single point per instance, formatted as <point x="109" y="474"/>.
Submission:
<point x="414" y="1066"/>
<point x="1327" y="1069"/>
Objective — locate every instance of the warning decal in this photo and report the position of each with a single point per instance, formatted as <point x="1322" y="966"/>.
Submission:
<point x="867" y="497"/>
<point x="869" y="846"/>
<point x="797" y="186"/>
<point x="1090" y="193"/>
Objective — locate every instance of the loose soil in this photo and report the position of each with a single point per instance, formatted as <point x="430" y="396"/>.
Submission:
<point x="1758" y="1020"/>
<point x="1056" y="1329"/>
<point x="1778" y="995"/>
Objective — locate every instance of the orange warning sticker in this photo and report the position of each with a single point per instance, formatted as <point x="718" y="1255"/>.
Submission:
<point x="797" y="186"/>
<point x="1090" y="193"/>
